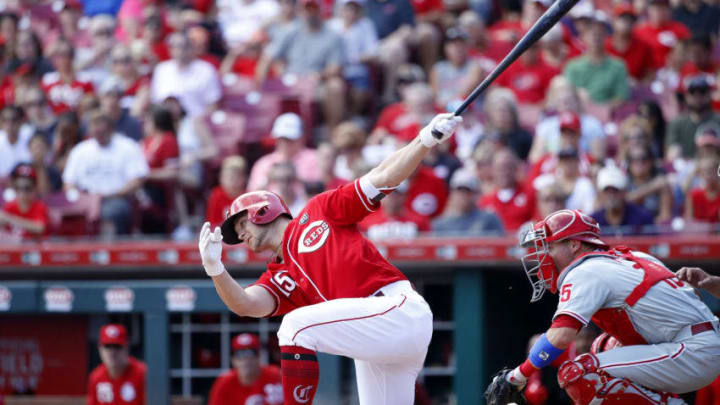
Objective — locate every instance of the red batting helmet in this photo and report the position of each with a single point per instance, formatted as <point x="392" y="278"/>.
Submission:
<point x="558" y="226"/>
<point x="262" y="208"/>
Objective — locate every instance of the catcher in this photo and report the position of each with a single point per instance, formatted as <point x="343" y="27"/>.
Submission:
<point x="668" y="339"/>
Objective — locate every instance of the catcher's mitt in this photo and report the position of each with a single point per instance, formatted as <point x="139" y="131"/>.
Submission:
<point x="502" y="392"/>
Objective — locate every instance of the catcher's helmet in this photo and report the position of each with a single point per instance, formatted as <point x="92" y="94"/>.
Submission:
<point x="262" y="207"/>
<point x="558" y="226"/>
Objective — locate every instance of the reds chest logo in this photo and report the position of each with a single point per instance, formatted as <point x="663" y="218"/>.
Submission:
<point x="313" y="237"/>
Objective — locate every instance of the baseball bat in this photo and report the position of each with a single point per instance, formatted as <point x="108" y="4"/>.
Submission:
<point x="541" y="26"/>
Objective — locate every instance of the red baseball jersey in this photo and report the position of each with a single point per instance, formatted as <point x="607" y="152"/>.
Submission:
<point x="38" y="212"/>
<point x="267" y="389"/>
<point x="662" y="38"/>
<point x="63" y="96"/>
<point x="325" y="256"/>
<point x="129" y="389"/>
<point x="514" y="207"/>
<point x="706" y="208"/>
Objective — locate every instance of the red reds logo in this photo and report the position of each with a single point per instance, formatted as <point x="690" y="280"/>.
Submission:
<point x="313" y="237"/>
<point x="301" y="393"/>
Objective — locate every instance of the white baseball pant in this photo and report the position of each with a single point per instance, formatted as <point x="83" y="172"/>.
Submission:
<point x="688" y="364"/>
<point x="387" y="336"/>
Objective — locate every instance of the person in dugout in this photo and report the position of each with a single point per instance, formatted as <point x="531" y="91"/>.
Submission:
<point x="248" y="382"/>
<point x="120" y="379"/>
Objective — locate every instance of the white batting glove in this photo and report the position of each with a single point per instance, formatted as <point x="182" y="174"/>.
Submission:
<point x="516" y="378"/>
<point x="210" y="245"/>
<point x="444" y="124"/>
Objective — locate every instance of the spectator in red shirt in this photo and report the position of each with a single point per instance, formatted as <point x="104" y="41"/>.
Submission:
<point x="660" y="31"/>
<point x="703" y="203"/>
<point x="63" y="88"/>
<point x="248" y="382"/>
<point x="402" y="121"/>
<point x="26" y="216"/>
<point x="162" y="154"/>
<point x="480" y="43"/>
<point x="233" y="177"/>
<point x="509" y="200"/>
<point x="120" y="379"/>
<point x="624" y="44"/>
<point x="243" y="59"/>
<point x="529" y="76"/>
<point x="699" y="57"/>
<point x="394" y="220"/>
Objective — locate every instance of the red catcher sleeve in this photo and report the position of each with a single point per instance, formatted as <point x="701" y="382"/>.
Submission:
<point x="566" y="321"/>
<point x="346" y="205"/>
<point x="283" y="289"/>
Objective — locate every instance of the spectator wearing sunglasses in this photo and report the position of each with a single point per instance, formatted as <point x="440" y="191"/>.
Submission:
<point x="680" y="142"/>
<point x="25" y="216"/>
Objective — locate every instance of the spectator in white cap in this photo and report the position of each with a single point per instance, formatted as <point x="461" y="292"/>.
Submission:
<point x="289" y="147"/>
<point x="615" y="215"/>
<point x="111" y="92"/>
<point x="461" y="215"/>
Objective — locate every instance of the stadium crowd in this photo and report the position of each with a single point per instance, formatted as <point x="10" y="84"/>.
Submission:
<point x="140" y="117"/>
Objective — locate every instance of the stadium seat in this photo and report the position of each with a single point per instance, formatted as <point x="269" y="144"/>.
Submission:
<point x="73" y="218"/>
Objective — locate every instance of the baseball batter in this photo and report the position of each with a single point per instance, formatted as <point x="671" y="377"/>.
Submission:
<point x="669" y="340"/>
<point x="337" y="293"/>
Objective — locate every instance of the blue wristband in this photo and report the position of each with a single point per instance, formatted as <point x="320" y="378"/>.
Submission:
<point x="543" y="352"/>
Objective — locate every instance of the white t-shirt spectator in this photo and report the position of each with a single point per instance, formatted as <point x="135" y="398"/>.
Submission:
<point x="240" y="19"/>
<point x="12" y="154"/>
<point x="105" y="170"/>
<point x="196" y="85"/>
<point x="548" y="129"/>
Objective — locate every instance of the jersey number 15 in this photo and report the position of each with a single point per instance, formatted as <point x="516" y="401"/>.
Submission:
<point x="284" y="282"/>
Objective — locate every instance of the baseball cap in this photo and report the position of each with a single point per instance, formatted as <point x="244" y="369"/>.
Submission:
<point x="568" y="152"/>
<point x="699" y="81"/>
<point x="246" y="341"/>
<point x="288" y="125"/>
<point x="624" y="8"/>
<point x="113" y="334"/>
<point x="708" y="135"/>
<point x="569" y="120"/>
<point x="463" y="178"/>
<point x="111" y="85"/>
<point x="23" y="170"/>
<point x="611" y="176"/>
<point x="455" y="33"/>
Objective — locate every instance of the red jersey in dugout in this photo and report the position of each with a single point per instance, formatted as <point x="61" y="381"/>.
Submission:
<point x="325" y="256"/>
<point x="267" y="389"/>
<point x="129" y="389"/>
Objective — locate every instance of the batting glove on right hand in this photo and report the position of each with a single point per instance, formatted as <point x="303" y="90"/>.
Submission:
<point x="444" y="124"/>
<point x="210" y="245"/>
<point x="502" y="392"/>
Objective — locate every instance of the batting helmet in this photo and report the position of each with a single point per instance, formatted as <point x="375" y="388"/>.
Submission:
<point x="262" y="207"/>
<point x="558" y="226"/>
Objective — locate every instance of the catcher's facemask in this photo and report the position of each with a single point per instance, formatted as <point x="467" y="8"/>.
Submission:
<point x="539" y="266"/>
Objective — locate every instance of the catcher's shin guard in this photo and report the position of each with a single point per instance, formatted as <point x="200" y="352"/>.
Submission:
<point x="586" y="385"/>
